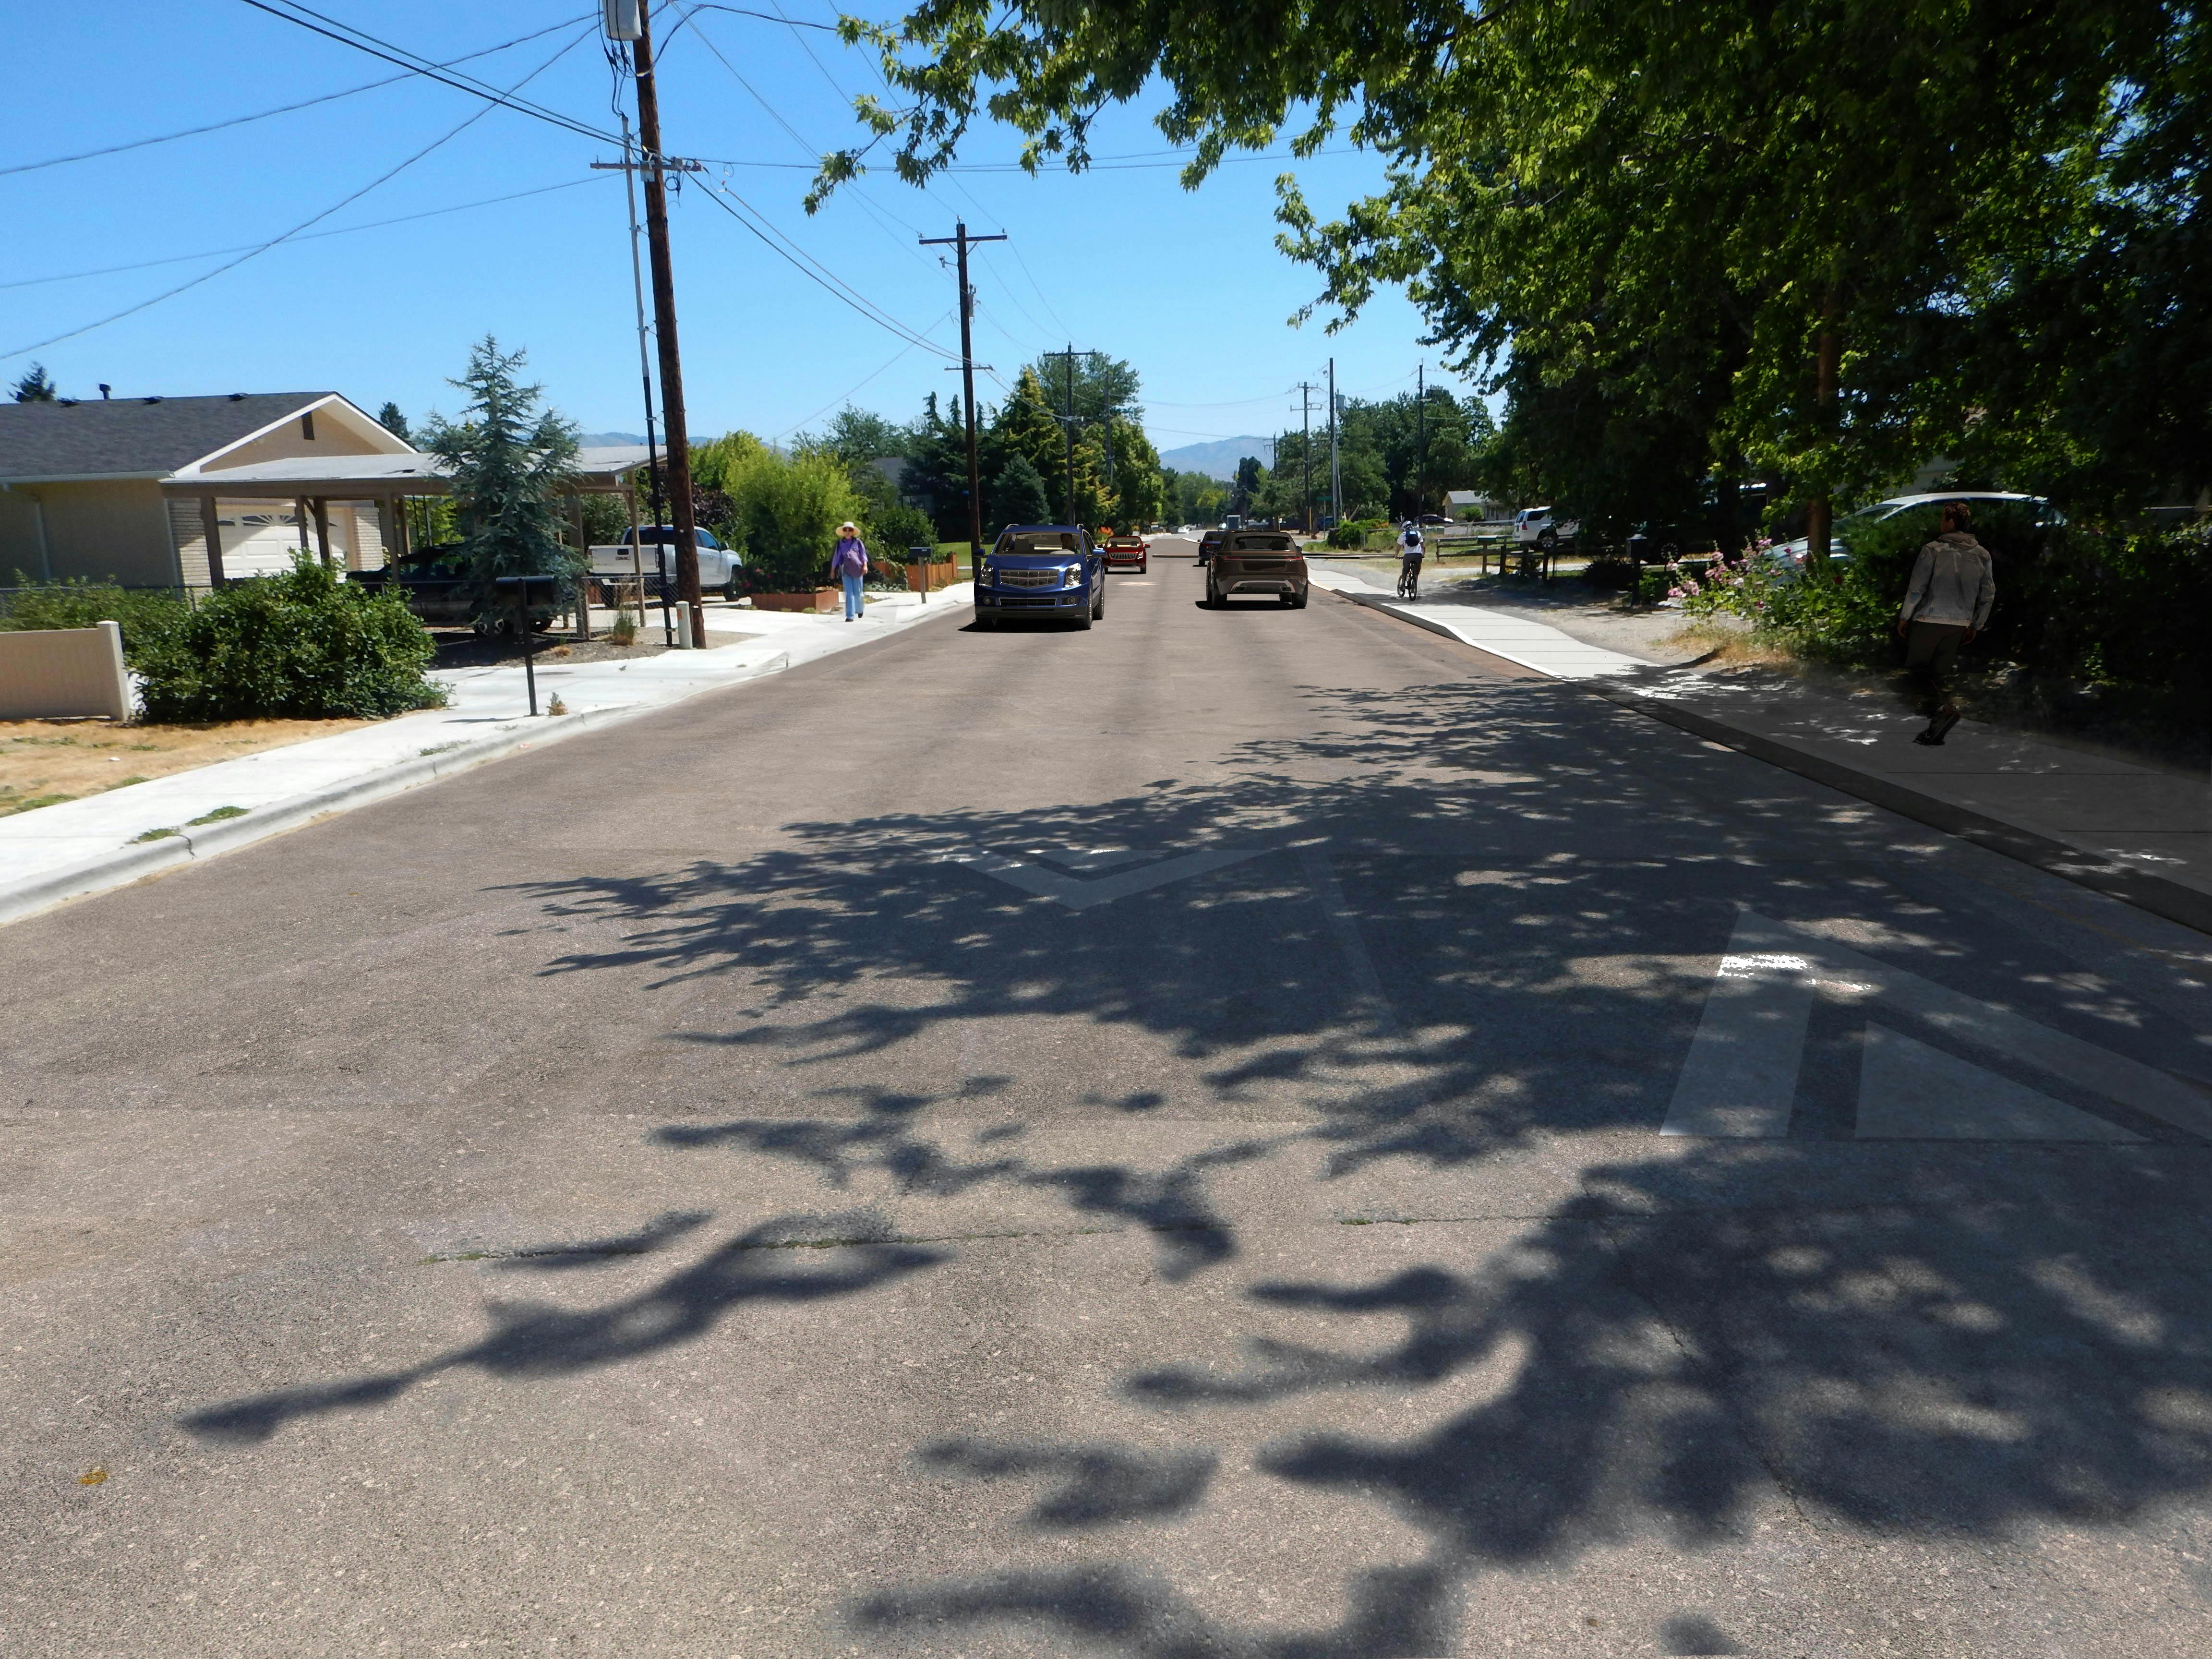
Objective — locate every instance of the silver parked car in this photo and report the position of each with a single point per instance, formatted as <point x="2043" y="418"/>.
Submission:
<point x="1792" y="553"/>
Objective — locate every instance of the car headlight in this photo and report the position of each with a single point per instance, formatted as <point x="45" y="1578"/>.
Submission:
<point x="990" y="570"/>
<point x="1074" y="575"/>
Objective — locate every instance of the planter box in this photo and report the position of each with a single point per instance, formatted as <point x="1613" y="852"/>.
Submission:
<point x="921" y="578"/>
<point x="822" y="599"/>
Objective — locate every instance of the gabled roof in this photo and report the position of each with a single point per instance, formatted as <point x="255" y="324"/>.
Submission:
<point x="134" y="437"/>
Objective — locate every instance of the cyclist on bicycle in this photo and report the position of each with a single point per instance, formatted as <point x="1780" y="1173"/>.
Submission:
<point x="1409" y="561"/>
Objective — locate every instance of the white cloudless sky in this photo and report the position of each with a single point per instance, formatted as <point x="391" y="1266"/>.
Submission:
<point x="1188" y="286"/>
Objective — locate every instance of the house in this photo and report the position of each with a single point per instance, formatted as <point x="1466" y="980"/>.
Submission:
<point x="132" y="490"/>
<point x="1473" y="504"/>
<point x="190" y="492"/>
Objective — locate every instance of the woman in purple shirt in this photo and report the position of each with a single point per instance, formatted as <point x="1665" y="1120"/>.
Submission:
<point x="849" y="564"/>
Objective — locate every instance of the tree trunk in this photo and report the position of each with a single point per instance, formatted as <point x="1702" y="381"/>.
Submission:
<point x="1819" y="512"/>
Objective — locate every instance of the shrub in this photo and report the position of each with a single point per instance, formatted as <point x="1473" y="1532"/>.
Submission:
<point x="143" y="616"/>
<point x="1611" y="572"/>
<point x="785" y="511"/>
<point x="889" y="528"/>
<point x="302" y="646"/>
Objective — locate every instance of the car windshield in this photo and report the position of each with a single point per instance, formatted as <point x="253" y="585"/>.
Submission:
<point x="1264" y="545"/>
<point x="1039" y="541"/>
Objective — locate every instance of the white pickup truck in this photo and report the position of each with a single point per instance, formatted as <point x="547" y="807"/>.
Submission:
<point x="655" y="554"/>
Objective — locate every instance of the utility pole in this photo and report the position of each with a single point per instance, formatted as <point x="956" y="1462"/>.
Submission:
<point x="664" y="316"/>
<point x="629" y="169"/>
<point x="1067" y="425"/>
<point x="1421" y="437"/>
<point x="1106" y="397"/>
<point x="1335" y="473"/>
<point x="961" y="241"/>
<point x="1305" y="449"/>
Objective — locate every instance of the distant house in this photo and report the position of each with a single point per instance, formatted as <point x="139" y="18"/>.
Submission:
<point x="1465" y="504"/>
<point x="132" y="490"/>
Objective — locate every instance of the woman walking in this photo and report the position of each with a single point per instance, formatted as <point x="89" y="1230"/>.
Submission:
<point x="849" y="563"/>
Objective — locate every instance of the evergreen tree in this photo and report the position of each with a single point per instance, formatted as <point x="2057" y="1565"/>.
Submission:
<point x="1024" y="426"/>
<point x="36" y="387"/>
<point x="936" y="477"/>
<point x="392" y="421"/>
<point x="1250" y="477"/>
<point x="504" y="464"/>
<point x="1017" y="495"/>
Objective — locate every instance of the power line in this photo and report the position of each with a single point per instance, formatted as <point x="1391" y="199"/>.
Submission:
<point x="846" y="396"/>
<point x="343" y="230"/>
<point x="282" y="109"/>
<point x="813" y="268"/>
<point x="360" y="41"/>
<point x="209" y="275"/>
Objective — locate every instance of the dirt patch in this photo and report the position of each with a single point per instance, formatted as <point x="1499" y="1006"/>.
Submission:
<point x="463" y="650"/>
<point x="44" y="762"/>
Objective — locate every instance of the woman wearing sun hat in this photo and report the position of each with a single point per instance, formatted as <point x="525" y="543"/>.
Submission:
<point x="849" y="563"/>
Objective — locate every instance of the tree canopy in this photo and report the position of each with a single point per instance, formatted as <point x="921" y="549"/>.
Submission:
<point x="1822" y="240"/>
<point x="504" y="463"/>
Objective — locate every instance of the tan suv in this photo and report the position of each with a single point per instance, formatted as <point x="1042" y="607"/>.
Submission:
<point x="1257" y="561"/>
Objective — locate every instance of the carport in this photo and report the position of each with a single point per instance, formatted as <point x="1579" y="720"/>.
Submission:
<point x="356" y="502"/>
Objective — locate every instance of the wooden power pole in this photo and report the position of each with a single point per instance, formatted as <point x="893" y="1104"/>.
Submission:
<point x="1305" y="426"/>
<point x="673" y="424"/>
<point x="961" y="241"/>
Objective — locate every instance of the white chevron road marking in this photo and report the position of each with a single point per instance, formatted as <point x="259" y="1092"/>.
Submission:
<point x="1031" y="877"/>
<point x="1741" y="1078"/>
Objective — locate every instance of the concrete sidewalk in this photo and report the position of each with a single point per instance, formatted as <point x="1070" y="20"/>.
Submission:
<point x="2140" y="832"/>
<point x="80" y="847"/>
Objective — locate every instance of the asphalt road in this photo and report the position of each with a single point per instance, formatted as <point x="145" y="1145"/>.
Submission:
<point x="1148" y="1142"/>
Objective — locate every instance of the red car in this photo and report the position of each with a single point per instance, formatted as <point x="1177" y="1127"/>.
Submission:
<point x="1125" y="550"/>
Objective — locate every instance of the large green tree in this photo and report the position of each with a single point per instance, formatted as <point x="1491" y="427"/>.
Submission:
<point x="1824" y="236"/>
<point x="505" y="462"/>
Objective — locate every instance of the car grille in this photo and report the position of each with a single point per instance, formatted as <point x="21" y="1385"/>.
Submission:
<point x="1031" y="578"/>
<point x="1026" y="603"/>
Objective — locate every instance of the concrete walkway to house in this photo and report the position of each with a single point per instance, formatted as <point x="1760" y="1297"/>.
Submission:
<point x="88" y="846"/>
<point x="2146" y="831"/>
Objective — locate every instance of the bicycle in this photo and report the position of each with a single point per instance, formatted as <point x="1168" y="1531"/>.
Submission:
<point x="1409" y="579"/>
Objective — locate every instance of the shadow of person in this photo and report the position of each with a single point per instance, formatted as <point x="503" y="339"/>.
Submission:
<point x="533" y="1342"/>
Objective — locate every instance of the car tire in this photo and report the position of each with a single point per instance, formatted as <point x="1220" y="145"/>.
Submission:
<point x="730" y="589"/>
<point x="1548" y="539"/>
<point x="1298" y="599"/>
<point x="1098" y="609"/>
<point x="1084" y="619"/>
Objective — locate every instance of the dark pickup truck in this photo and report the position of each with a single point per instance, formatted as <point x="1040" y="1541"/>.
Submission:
<point x="435" y="584"/>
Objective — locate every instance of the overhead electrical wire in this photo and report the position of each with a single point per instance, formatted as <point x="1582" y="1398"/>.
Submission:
<point x="316" y="236"/>
<point x="282" y="109"/>
<point x="360" y="41"/>
<point x="264" y="247"/>
<point x="846" y="396"/>
<point x="813" y="268"/>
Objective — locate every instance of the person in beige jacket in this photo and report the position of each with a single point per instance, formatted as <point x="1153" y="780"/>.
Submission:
<point x="1947" y="604"/>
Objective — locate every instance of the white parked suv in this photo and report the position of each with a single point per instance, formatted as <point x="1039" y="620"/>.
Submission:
<point x="1542" y="526"/>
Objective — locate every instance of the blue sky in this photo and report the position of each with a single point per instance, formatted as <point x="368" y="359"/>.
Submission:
<point x="1187" y="286"/>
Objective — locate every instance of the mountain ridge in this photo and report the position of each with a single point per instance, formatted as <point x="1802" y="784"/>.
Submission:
<point x="1217" y="458"/>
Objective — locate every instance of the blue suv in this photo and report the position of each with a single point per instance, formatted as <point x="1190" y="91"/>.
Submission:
<point x="1049" y="571"/>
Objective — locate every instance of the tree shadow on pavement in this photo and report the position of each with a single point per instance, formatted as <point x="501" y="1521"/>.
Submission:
<point x="1919" y="1342"/>
<point x="540" y="1342"/>
<point x="1659" y="1363"/>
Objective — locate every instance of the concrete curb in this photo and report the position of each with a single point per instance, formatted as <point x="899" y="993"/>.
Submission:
<point x="2144" y="889"/>
<point x="130" y="863"/>
<point x="1388" y="608"/>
